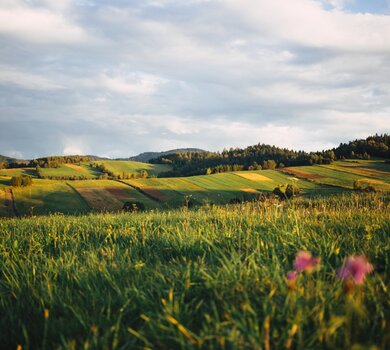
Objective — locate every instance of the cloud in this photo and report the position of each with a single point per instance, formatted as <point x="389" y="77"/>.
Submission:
<point x="26" y="80"/>
<point x="135" y="84"/>
<point x="39" y="25"/>
<point x="307" y="23"/>
<point x="118" y="78"/>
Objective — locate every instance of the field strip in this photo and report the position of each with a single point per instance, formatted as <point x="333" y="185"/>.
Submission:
<point x="254" y="177"/>
<point x="80" y="195"/>
<point x="360" y="171"/>
<point x="140" y="191"/>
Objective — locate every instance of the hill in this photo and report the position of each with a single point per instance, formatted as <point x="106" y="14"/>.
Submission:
<point x="93" y="193"/>
<point x="147" y="156"/>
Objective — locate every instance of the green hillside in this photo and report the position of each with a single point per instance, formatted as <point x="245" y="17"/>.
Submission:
<point x="118" y="167"/>
<point x="48" y="196"/>
<point x="344" y="173"/>
<point x="66" y="196"/>
<point x="71" y="170"/>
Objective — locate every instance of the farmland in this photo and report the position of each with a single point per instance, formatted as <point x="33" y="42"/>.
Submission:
<point x="65" y="196"/>
<point x="118" y="167"/>
<point x="71" y="170"/>
<point x="213" y="277"/>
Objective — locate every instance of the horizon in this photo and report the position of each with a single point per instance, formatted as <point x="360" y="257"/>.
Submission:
<point x="184" y="148"/>
<point x="116" y="79"/>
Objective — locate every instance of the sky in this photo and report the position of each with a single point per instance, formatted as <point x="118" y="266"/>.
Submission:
<point x="115" y="78"/>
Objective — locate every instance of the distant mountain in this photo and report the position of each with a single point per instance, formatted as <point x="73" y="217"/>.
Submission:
<point x="145" y="157"/>
<point x="10" y="160"/>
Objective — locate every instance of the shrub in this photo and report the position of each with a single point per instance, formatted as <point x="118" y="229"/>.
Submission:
<point x="133" y="206"/>
<point x="286" y="191"/>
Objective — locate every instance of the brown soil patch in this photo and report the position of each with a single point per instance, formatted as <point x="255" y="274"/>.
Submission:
<point x="120" y="193"/>
<point x="155" y="193"/>
<point x="301" y="174"/>
<point x="100" y="199"/>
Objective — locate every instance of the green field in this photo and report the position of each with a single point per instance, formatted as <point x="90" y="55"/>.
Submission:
<point x="72" y="170"/>
<point x="210" y="278"/>
<point x="18" y="172"/>
<point x="48" y="196"/>
<point x="118" y="167"/>
<point x="66" y="196"/>
<point x="344" y="173"/>
<point x="220" y="188"/>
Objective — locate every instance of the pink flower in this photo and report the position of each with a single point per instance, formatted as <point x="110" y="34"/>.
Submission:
<point x="304" y="261"/>
<point x="355" y="268"/>
<point x="292" y="276"/>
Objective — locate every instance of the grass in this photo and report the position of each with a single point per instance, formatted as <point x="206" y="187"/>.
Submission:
<point x="107" y="195"/>
<point x="211" y="278"/>
<point x="220" y="188"/>
<point x="70" y="170"/>
<point x="18" y="172"/>
<point x="48" y="196"/>
<point x="118" y="167"/>
<point x="343" y="174"/>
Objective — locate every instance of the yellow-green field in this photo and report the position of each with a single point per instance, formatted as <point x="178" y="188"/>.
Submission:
<point x="72" y="170"/>
<point x="47" y="196"/>
<point x="344" y="173"/>
<point x="118" y="167"/>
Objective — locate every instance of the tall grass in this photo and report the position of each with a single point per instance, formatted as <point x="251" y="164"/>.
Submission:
<point x="210" y="278"/>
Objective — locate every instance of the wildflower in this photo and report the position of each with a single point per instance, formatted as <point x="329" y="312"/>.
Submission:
<point x="355" y="268"/>
<point x="291" y="279"/>
<point x="291" y="276"/>
<point x="304" y="261"/>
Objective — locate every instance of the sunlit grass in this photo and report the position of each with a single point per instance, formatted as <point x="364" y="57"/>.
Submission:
<point x="209" y="278"/>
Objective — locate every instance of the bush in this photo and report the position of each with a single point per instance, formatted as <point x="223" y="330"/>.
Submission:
<point x="18" y="181"/>
<point x="133" y="206"/>
<point x="286" y="191"/>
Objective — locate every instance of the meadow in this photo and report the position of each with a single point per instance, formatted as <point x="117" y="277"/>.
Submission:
<point x="118" y="167"/>
<point x="98" y="195"/>
<point x="213" y="277"/>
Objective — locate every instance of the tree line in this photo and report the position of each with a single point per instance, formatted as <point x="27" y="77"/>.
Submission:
<point x="263" y="156"/>
<point x="255" y="157"/>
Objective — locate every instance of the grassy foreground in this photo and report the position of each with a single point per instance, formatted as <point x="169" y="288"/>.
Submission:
<point x="211" y="278"/>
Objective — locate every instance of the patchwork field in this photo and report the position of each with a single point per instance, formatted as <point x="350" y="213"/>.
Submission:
<point x="118" y="167"/>
<point x="219" y="188"/>
<point x="18" y="172"/>
<point x="48" y="196"/>
<point x="344" y="173"/>
<point x="72" y="170"/>
<point x="107" y="195"/>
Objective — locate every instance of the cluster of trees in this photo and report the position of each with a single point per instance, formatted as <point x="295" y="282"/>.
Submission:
<point x="57" y="161"/>
<point x="18" y="181"/>
<point x="255" y="157"/>
<point x="143" y="174"/>
<point x="372" y="146"/>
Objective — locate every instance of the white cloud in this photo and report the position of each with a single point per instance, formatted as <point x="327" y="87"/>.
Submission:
<point x="26" y="80"/>
<point x="305" y="22"/>
<point x="134" y="84"/>
<point x="39" y="25"/>
<point x="72" y="150"/>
